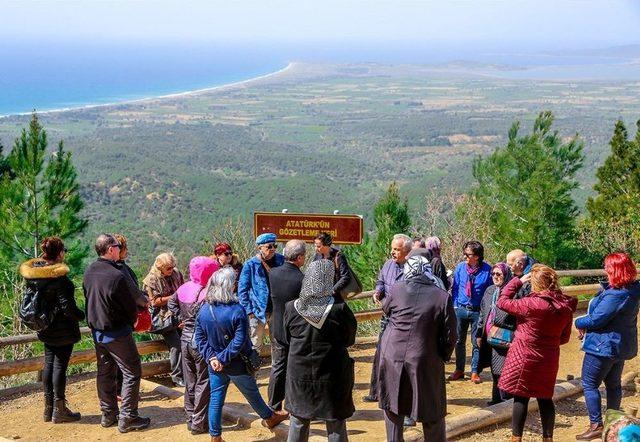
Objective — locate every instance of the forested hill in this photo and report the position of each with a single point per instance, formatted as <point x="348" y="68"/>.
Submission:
<point x="316" y="138"/>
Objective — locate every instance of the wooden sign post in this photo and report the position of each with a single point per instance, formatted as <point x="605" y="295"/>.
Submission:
<point x="345" y="229"/>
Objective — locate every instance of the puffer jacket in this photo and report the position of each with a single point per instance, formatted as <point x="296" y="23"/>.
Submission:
<point x="58" y="293"/>
<point x="611" y="323"/>
<point x="186" y="301"/>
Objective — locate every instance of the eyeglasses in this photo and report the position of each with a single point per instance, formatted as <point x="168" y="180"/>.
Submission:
<point x="227" y="253"/>
<point x="496" y="274"/>
<point x="271" y="246"/>
<point x="468" y="255"/>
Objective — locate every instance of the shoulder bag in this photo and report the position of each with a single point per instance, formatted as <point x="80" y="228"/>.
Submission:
<point x="499" y="337"/>
<point x="354" y="286"/>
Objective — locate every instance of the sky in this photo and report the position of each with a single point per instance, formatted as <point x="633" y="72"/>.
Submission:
<point x="543" y="23"/>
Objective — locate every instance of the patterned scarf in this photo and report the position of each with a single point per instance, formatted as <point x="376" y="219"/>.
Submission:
<point x="417" y="266"/>
<point x="472" y="272"/>
<point x="507" y="275"/>
<point x="316" y="295"/>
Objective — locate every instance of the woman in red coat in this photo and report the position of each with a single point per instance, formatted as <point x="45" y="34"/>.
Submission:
<point x="544" y="320"/>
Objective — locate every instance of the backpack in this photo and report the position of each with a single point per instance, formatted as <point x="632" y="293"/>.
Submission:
<point x="34" y="312"/>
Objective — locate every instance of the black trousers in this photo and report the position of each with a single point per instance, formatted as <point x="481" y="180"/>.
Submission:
<point x="373" y="385"/>
<point x="197" y="388"/>
<point x="520" y="409"/>
<point x="394" y="424"/>
<point x="54" y="372"/>
<point x="278" y="376"/>
<point x="120" y="353"/>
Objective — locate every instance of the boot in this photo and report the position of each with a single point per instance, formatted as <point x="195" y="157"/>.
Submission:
<point x="216" y="439"/>
<point x="62" y="414"/>
<point x="516" y="438"/>
<point x="593" y="432"/>
<point x="275" y="419"/>
<point x="48" y="408"/>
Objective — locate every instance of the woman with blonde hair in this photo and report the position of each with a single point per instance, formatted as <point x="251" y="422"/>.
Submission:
<point x="543" y="321"/>
<point x="160" y="284"/>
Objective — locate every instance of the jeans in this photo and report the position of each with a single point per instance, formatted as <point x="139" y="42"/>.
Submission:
<point x="465" y="319"/>
<point x="246" y="384"/>
<point x="54" y="372"/>
<point x="299" y="430"/>
<point x="432" y="431"/>
<point x="595" y="370"/>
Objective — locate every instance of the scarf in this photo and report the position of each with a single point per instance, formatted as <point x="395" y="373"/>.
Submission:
<point x="472" y="272"/>
<point x="507" y="275"/>
<point x="316" y="295"/>
<point x="417" y="266"/>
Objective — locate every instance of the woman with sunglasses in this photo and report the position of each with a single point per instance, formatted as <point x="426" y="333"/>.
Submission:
<point x="491" y="315"/>
<point x="160" y="284"/>
<point x="48" y="275"/>
<point x="223" y="253"/>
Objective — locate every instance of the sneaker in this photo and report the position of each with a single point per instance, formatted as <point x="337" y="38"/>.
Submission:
<point x="108" y="420"/>
<point x="369" y="398"/>
<point x="475" y="378"/>
<point x="456" y="375"/>
<point x="275" y="419"/>
<point x="408" y="422"/>
<point x="133" y="424"/>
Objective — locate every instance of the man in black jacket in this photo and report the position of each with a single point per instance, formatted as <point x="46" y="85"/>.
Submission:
<point x="111" y="315"/>
<point x="285" y="283"/>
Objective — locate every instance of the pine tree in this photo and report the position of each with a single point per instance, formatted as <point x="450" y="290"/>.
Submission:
<point x="614" y="214"/>
<point x="391" y="216"/>
<point x="524" y="190"/>
<point x="39" y="197"/>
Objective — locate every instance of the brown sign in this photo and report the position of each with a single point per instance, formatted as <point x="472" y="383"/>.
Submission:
<point x="345" y="229"/>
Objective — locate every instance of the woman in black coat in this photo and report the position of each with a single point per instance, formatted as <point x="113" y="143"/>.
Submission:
<point x="419" y="338"/>
<point x="48" y="276"/>
<point x="490" y="315"/>
<point x="320" y="373"/>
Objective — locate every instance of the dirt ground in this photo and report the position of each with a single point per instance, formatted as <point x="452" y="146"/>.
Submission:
<point x="21" y="417"/>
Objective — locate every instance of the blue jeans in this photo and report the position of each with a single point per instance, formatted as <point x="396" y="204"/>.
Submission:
<point x="595" y="370"/>
<point x="246" y="384"/>
<point x="467" y="318"/>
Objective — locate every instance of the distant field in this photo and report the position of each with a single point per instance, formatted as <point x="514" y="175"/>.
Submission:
<point x="316" y="138"/>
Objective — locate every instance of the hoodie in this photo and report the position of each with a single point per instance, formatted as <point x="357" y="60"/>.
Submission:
<point x="611" y="323"/>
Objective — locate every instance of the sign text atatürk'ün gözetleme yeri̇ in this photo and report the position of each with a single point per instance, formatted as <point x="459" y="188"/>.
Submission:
<point x="345" y="229"/>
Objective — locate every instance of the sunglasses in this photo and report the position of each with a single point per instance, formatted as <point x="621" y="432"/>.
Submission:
<point x="116" y="245"/>
<point x="271" y="247"/>
<point x="468" y="255"/>
<point x="496" y="274"/>
<point x="227" y="253"/>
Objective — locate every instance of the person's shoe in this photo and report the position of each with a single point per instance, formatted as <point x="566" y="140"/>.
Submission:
<point x="593" y="432"/>
<point x="475" y="378"/>
<point x="369" y="398"/>
<point x="275" y="419"/>
<point x="408" y="422"/>
<point x="195" y="430"/>
<point x="217" y="439"/>
<point x="516" y="438"/>
<point x="547" y="439"/>
<point x="62" y="414"/>
<point x="179" y="383"/>
<point x="48" y="409"/>
<point x="133" y="424"/>
<point x="188" y="426"/>
<point x="456" y="375"/>
<point x="108" y="420"/>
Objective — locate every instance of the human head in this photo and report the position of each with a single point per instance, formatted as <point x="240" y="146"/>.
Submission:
<point x="621" y="271"/>
<point x="418" y="242"/>
<point x="517" y="261"/>
<point x="473" y="252"/>
<point x="400" y="247"/>
<point x="164" y="264"/>
<point x="295" y="252"/>
<point x="323" y="241"/>
<point x="543" y="278"/>
<point x="433" y="244"/>
<point x="124" y="250"/>
<point x="53" y="249"/>
<point x="201" y="268"/>
<point x="267" y="246"/>
<point x="107" y="247"/>
<point x="500" y="274"/>
<point x="224" y="253"/>
<point x="318" y="280"/>
<point x="221" y="285"/>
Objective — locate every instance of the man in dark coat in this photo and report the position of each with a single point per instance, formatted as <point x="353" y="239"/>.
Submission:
<point x="419" y="338"/>
<point x="111" y="314"/>
<point x="285" y="283"/>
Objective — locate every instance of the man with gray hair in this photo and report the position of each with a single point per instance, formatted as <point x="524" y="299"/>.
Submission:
<point x="111" y="315"/>
<point x="391" y="273"/>
<point x="285" y="283"/>
<point x="520" y="264"/>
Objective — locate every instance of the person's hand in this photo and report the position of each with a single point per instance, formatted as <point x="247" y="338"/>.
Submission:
<point x="581" y="333"/>
<point x="376" y="299"/>
<point x="215" y="364"/>
<point x="525" y="278"/>
<point x="479" y="342"/>
<point x="181" y="325"/>
<point x="251" y="316"/>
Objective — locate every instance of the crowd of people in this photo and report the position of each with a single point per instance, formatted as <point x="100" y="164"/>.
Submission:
<point x="215" y="324"/>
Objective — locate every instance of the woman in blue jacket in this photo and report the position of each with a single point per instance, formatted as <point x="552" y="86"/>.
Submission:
<point x="221" y="336"/>
<point x="610" y="337"/>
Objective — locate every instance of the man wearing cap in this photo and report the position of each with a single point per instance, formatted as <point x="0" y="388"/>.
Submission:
<point x="253" y="286"/>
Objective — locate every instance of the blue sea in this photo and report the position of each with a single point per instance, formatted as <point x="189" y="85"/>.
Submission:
<point x="46" y="75"/>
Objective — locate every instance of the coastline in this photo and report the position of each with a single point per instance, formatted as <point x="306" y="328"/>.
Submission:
<point x="193" y="92"/>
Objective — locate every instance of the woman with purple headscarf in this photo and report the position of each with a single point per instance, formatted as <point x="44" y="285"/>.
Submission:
<point x="491" y="315"/>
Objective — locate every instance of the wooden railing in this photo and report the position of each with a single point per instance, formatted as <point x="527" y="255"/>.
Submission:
<point x="8" y="368"/>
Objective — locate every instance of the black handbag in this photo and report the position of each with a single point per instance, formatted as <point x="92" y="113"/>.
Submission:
<point x="252" y="361"/>
<point x="163" y="321"/>
<point x="354" y="286"/>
